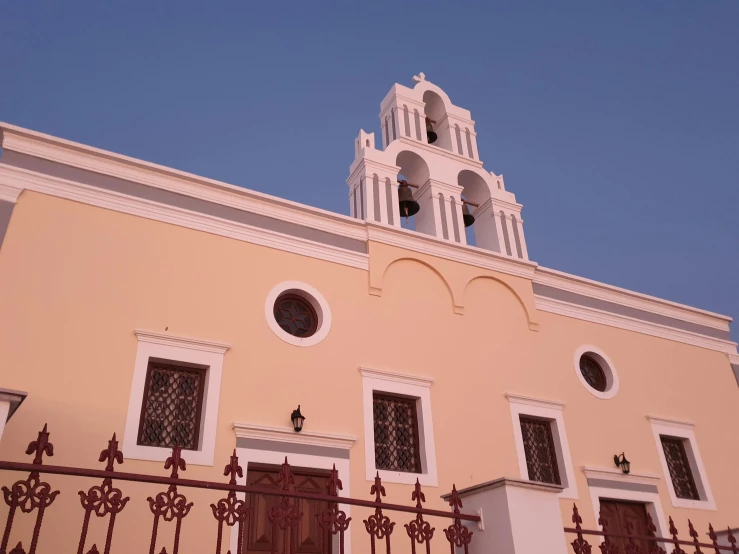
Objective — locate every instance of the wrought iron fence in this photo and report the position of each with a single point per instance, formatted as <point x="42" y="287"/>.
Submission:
<point x="106" y="500"/>
<point x="629" y="543"/>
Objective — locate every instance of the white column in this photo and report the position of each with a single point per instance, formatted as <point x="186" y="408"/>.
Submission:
<point x="524" y="250"/>
<point x="369" y="198"/>
<point x="460" y="221"/>
<point x="511" y="236"/>
<point x="394" y="200"/>
<point x="518" y="517"/>
<point x="449" y="220"/>
<point x="383" y="200"/>
<point x="428" y="218"/>
<point x="499" y="229"/>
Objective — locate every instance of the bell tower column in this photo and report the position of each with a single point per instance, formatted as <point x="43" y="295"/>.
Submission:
<point x="435" y="216"/>
<point x="368" y="186"/>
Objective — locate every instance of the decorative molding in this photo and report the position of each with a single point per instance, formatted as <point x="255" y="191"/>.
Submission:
<point x="414" y="380"/>
<point x="48" y="147"/>
<point x="462" y="253"/>
<point x="182" y="342"/>
<point x="671" y="422"/>
<point x="9" y="193"/>
<point x="624" y="297"/>
<point x="102" y="198"/>
<point x="287" y="434"/>
<point x="611" y="474"/>
<point x="316" y="299"/>
<point x="608" y="367"/>
<point x="537" y="402"/>
<point x="593" y="315"/>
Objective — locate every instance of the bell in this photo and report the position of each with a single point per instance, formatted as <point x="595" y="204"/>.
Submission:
<point x="408" y="206"/>
<point x="467" y="216"/>
<point x="430" y="134"/>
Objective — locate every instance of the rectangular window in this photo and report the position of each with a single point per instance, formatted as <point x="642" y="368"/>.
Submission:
<point x="538" y="444"/>
<point x="396" y="433"/>
<point x="172" y="405"/>
<point x="679" y="467"/>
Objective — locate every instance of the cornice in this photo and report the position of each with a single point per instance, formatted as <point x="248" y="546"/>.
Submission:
<point x="677" y="423"/>
<point x="94" y="196"/>
<point x="593" y="315"/>
<point x="610" y="293"/>
<point x="181" y="342"/>
<point x="435" y="150"/>
<point x="9" y="193"/>
<point x="286" y="434"/>
<point x="537" y="402"/>
<point x="116" y="165"/>
<point x="610" y="474"/>
<point x="406" y="379"/>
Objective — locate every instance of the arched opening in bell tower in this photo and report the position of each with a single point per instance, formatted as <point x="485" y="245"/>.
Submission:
<point x="476" y="191"/>
<point x="434" y="112"/>
<point x="413" y="169"/>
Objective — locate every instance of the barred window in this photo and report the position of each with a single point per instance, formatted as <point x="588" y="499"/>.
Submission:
<point x="538" y="444"/>
<point x="396" y="433"/>
<point x="172" y="405"/>
<point x="679" y="466"/>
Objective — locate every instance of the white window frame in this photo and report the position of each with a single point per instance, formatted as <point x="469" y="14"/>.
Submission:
<point x="175" y="349"/>
<point x="683" y="430"/>
<point x="277" y="435"/>
<point x="374" y="380"/>
<point x="608" y="367"/>
<point x="552" y="411"/>
<point x="310" y="294"/>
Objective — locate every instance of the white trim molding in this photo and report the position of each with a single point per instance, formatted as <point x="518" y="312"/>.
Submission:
<point x="176" y="349"/>
<point x="683" y="430"/>
<point x="9" y="193"/>
<point x="608" y="367"/>
<point x="309" y="293"/>
<point x="404" y="385"/>
<point x="612" y="474"/>
<point x="651" y="500"/>
<point x="288" y="435"/>
<point x="552" y="411"/>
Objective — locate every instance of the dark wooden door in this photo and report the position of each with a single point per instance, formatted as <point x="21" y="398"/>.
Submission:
<point x="618" y="515"/>
<point x="309" y="538"/>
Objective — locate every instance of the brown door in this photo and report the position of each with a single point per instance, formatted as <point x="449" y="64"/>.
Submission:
<point x="618" y="515"/>
<point x="309" y="538"/>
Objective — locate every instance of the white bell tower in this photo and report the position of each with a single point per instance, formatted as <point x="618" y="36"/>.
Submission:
<point x="432" y="144"/>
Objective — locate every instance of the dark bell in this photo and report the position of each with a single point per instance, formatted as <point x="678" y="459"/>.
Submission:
<point x="467" y="216"/>
<point x="430" y="133"/>
<point x="408" y="206"/>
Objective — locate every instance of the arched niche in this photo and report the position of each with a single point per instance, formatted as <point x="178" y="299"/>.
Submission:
<point x="474" y="187"/>
<point x="434" y="106"/>
<point x="413" y="168"/>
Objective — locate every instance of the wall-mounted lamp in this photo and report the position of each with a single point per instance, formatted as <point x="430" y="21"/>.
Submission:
<point x="622" y="462"/>
<point x="298" y="420"/>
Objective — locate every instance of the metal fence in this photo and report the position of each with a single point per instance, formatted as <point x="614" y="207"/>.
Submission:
<point x="630" y="543"/>
<point x="31" y="495"/>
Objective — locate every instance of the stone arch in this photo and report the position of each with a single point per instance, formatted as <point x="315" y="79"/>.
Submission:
<point x="475" y="188"/>
<point x="533" y="325"/>
<point x="413" y="167"/>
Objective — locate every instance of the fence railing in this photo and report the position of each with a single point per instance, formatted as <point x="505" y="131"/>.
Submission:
<point x="629" y="543"/>
<point x="106" y="500"/>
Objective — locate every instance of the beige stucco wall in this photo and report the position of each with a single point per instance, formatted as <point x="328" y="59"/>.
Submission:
<point x="75" y="281"/>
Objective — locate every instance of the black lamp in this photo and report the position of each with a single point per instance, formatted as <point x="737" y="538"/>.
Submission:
<point x="622" y="462"/>
<point x="298" y="420"/>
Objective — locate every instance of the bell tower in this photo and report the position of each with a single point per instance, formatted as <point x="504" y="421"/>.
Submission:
<point x="429" y="169"/>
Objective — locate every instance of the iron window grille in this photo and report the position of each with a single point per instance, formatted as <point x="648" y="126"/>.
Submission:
<point x="295" y="315"/>
<point x="679" y="467"/>
<point x="172" y="406"/>
<point x="541" y="456"/>
<point x="396" y="433"/>
<point x="593" y="373"/>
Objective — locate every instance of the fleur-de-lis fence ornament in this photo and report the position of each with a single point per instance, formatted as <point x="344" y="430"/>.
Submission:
<point x="332" y="520"/>
<point x="103" y="499"/>
<point x="231" y="510"/>
<point x="379" y="525"/>
<point x="30" y="494"/>
<point x="579" y="545"/>
<point x="458" y="535"/>
<point x="170" y="505"/>
<point x="285" y="514"/>
<point x="418" y="530"/>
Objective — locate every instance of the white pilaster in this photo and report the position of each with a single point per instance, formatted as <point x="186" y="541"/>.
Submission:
<point x="369" y="198"/>
<point x="511" y="236"/>
<point x="394" y="200"/>
<point x="382" y="188"/>
<point x="460" y="221"/>
<point x="522" y="239"/>
<point x="448" y="214"/>
<point x="499" y="228"/>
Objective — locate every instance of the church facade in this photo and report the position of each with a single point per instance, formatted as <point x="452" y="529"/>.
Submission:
<point x="416" y="338"/>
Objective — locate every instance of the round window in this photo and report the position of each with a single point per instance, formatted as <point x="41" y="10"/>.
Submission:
<point x="593" y="373"/>
<point x="596" y="372"/>
<point x="295" y="315"/>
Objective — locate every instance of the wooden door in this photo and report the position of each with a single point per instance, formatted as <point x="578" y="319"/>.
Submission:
<point x="619" y="514"/>
<point x="309" y="539"/>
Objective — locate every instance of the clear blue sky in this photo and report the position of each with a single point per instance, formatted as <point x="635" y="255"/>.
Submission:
<point x="616" y="124"/>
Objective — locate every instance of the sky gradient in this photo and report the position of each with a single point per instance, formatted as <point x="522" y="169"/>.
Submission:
<point x="616" y="124"/>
